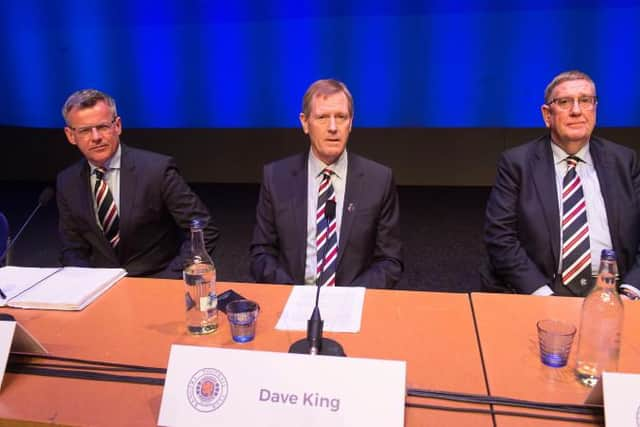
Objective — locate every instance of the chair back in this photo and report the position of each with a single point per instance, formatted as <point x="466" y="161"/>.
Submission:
<point x="4" y="237"/>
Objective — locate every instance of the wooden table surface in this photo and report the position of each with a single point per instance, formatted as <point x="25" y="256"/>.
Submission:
<point x="508" y="335"/>
<point x="138" y="320"/>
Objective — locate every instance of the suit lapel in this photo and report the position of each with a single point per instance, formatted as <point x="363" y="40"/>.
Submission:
<point x="86" y="199"/>
<point x="128" y="188"/>
<point x="544" y="178"/>
<point x="299" y="206"/>
<point x="608" y="185"/>
<point x="353" y="189"/>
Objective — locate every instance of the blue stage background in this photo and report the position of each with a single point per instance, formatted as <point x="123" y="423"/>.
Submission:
<point x="235" y="64"/>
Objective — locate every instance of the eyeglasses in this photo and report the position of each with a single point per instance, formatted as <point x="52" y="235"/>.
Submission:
<point x="102" y="128"/>
<point x="324" y="119"/>
<point x="567" y="102"/>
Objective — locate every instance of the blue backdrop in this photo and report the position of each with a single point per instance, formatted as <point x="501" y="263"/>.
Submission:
<point x="180" y="63"/>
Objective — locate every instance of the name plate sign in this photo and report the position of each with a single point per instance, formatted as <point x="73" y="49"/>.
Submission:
<point x="217" y="386"/>
<point x="621" y="399"/>
<point x="6" y="337"/>
<point x="13" y="337"/>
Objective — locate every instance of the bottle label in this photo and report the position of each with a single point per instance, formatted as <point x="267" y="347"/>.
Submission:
<point x="209" y="302"/>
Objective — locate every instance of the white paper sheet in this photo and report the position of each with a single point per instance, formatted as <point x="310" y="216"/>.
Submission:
<point x="15" y="280"/>
<point x="340" y="308"/>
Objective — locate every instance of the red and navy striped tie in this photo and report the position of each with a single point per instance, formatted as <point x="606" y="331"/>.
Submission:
<point x="107" y="210"/>
<point x="576" y="255"/>
<point x="326" y="235"/>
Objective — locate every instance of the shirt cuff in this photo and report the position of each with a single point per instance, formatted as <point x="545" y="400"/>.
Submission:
<point x="630" y="291"/>
<point x="543" y="291"/>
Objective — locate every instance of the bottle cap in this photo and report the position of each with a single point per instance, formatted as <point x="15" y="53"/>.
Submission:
<point x="197" y="223"/>
<point x="608" y="254"/>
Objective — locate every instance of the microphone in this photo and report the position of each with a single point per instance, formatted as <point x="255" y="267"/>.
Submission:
<point x="330" y="211"/>
<point x="45" y="197"/>
<point x="315" y="343"/>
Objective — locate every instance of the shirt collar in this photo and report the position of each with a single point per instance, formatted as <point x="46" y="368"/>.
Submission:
<point x="559" y="155"/>
<point x="112" y="163"/>
<point x="339" y="167"/>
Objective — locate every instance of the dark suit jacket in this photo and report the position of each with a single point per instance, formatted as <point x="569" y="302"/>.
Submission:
<point x="369" y="250"/>
<point x="522" y="229"/>
<point x="156" y="207"/>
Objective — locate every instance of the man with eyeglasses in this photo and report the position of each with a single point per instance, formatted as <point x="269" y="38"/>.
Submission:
<point x="121" y="206"/>
<point x="562" y="198"/>
<point x="327" y="216"/>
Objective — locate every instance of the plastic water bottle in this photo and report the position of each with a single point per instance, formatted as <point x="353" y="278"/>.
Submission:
<point x="600" y="324"/>
<point x="199" y="274"/>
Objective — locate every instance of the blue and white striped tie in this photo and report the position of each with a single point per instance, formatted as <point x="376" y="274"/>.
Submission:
<point x="576" y="255"/>
<point x="326" y="234"/>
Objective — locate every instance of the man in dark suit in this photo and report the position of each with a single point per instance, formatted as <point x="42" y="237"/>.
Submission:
<point x="120" y="206"/>
<point x="326" y="214"/>
<point x="560" y="199"/>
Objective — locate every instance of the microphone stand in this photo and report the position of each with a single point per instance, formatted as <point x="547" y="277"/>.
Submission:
<point x="44" y="198"/>
<point x="6" y="256"/>
<point x="315" y="343"/>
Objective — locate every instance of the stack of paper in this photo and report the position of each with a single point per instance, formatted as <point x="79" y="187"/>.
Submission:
<point x="66" y="288"/>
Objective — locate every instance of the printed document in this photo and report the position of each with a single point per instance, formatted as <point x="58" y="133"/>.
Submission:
<point x="340" y="308"/>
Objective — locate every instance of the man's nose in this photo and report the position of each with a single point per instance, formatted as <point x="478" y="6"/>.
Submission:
<point x="332" y="124"/>
<point x="575" y="107"/>
<point x="95" y="135"/>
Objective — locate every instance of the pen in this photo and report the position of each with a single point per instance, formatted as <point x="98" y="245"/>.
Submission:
<point x="2" y="294"/>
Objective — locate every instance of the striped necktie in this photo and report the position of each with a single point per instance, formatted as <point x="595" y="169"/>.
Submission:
<point x="326" y="235"/>
<point x="576" y="255"/>
<point x="108" y="217"/>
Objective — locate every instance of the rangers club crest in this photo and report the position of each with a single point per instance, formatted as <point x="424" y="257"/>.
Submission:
<point x="207" y="390"/>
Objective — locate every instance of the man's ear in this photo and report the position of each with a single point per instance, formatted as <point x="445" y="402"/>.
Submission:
<point x="546" y="114"/>
<point x="118" y="125"/>
<point x="304" y="121"/>
<point x="69" y="134"/>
